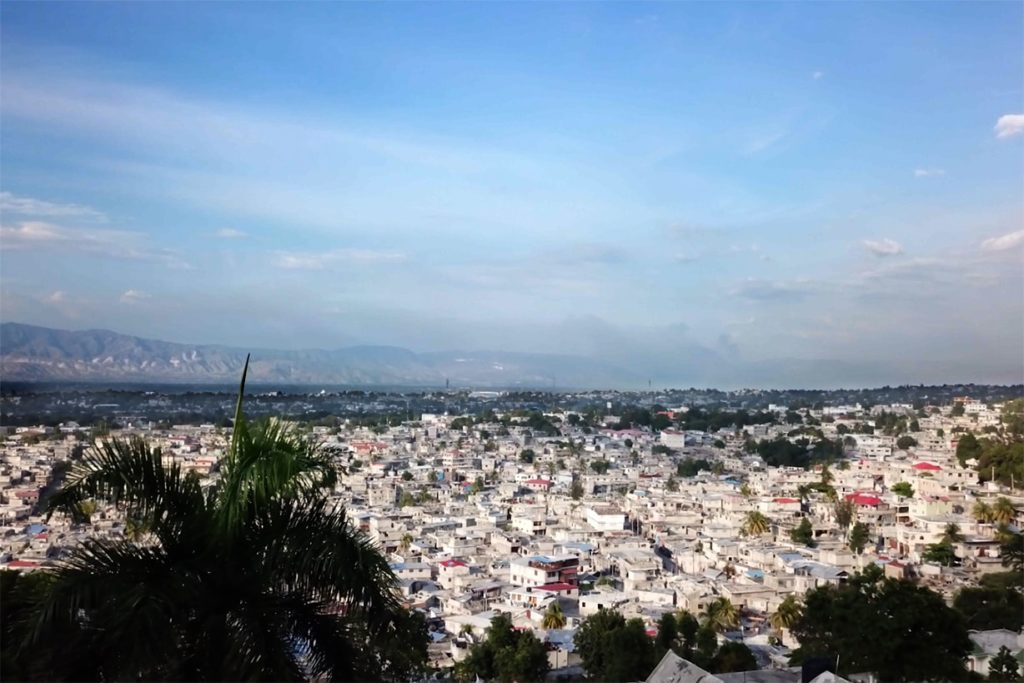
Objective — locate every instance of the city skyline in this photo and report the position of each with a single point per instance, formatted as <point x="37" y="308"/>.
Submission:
<point x="658" y="184"/>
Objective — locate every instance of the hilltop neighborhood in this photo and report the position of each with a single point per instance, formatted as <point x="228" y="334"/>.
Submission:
<point x="548" y="518"/>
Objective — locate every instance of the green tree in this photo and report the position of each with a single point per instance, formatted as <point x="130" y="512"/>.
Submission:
<point x="407" y="476"/>
<point x="905" y="442"/>
<point x="982" y="512"/>
<point x="576" y="490"/>
<point x="505" y="655"/>
<point x="232" y="577"/>
<point x="940" y="553"/>
<point x="668" y="633"/>
<point x="1003" y="667"/>
<point x="991" y="608"/>
<point x="732" y="656"/>
<point x="951" y="534"/>
<point x="613" y="649"/>
<point x="1003" y="511"/>
<point x="600" y="466"/>
<point x="859" y="537"/>
<point x="554" y="617"/>
<point x="405" y="543"/>
<point x="756" y="524"/>
<point x="721" y="615"/>
<point x="788" y="613"/>
<point x="913" y="634"/>
<point x="803" y="533"/>
<point x="967" y="448"/>
<point x="903" y="490"/>
<point x="672" y="485"/>
<point x="1011" y="549"/>
<point x="690" y="468"/>
<point x="527" y="456"/>
<point x="844" y="511"/>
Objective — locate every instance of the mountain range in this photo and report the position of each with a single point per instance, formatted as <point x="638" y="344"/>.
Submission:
<point x="42" y="354"/>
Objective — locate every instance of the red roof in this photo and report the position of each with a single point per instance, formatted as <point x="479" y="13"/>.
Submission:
<point x="864" y="499"/>
<point x="556" y="587"/>
<point x="22" y="563"/>
<point x="927" y="467"/>
<point x="786" y="500"/>
<point x="539" y="482"/>
<point x="453" y="563"/>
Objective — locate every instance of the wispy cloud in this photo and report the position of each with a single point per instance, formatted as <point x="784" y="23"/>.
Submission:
<point x="883" y="247"/>
<point x="134" y="296"/>
<point x="769" y="290"/>
<point x="117" y="244"/>
<point x="764" y="142"/>
<point x="293" y="260"/>
<point x="1005" y="242"/>
<point x="818" y="75"/>
<point x="38" y="208"/>
<point x="231" y="234"/>
<point x="928" y="172"/>
<point x="56" y="297"/>
<point x="1009" y="125"/>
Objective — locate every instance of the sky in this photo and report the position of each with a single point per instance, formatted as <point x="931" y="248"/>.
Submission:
<point x="834" y="187"/>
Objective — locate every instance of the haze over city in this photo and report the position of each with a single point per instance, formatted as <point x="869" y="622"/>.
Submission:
<point x="659" y="186"/>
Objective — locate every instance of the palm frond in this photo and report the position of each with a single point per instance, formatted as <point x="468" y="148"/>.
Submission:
<point x="121" y="601"/>
<point x="314" y="549"/>
<point x="131" y="475"/>
<point x="269" y="460"/>
<point x="239" y="415"/>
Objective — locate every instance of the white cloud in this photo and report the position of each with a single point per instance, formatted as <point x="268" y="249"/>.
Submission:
<point x="38" y="208"/>
<point x="322" y="260"/>
<point x="1009" y="125"/>
<point x="56" y="297"/>
<point x="818" y="75"/>
<point x="1004" y="242"/>
<point x="231" y="234"/>
<point x="134" y="296"/>
<point x="117" y="244"/>
<point x="764" y="142"/>
<point x="883" y="247"/>
<point x="928" y="172"/>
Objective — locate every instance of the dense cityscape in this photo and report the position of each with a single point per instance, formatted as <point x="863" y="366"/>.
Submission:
<point x="654" y="536"/>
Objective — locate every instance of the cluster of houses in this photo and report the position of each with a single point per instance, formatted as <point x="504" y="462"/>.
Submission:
<point x="480" y="518"/>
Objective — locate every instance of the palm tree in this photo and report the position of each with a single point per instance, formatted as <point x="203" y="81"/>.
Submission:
<point x="258" y="576"/>
<point x="756" y="524"/>
<point x="787" y="614"/>
<point x="982" y="512"/>
<point x="1003" y="511"/>
<point x="826" y="475"/>
<point x="721" y="615"/>
<point x="405" y="543"/>
<point x="951" y="534"/>
<point x="554" y="617"/>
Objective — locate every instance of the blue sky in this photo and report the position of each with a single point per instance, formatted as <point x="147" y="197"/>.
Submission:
<point x="650" y="183"/>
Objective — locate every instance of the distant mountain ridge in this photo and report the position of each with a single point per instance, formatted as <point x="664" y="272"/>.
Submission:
<point x="34" y="353"/>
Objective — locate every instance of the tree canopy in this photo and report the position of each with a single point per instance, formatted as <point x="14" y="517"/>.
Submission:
<point x="505" y="655"/>
<point x="613" y="649"/>
<point x="893" y="628"/>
